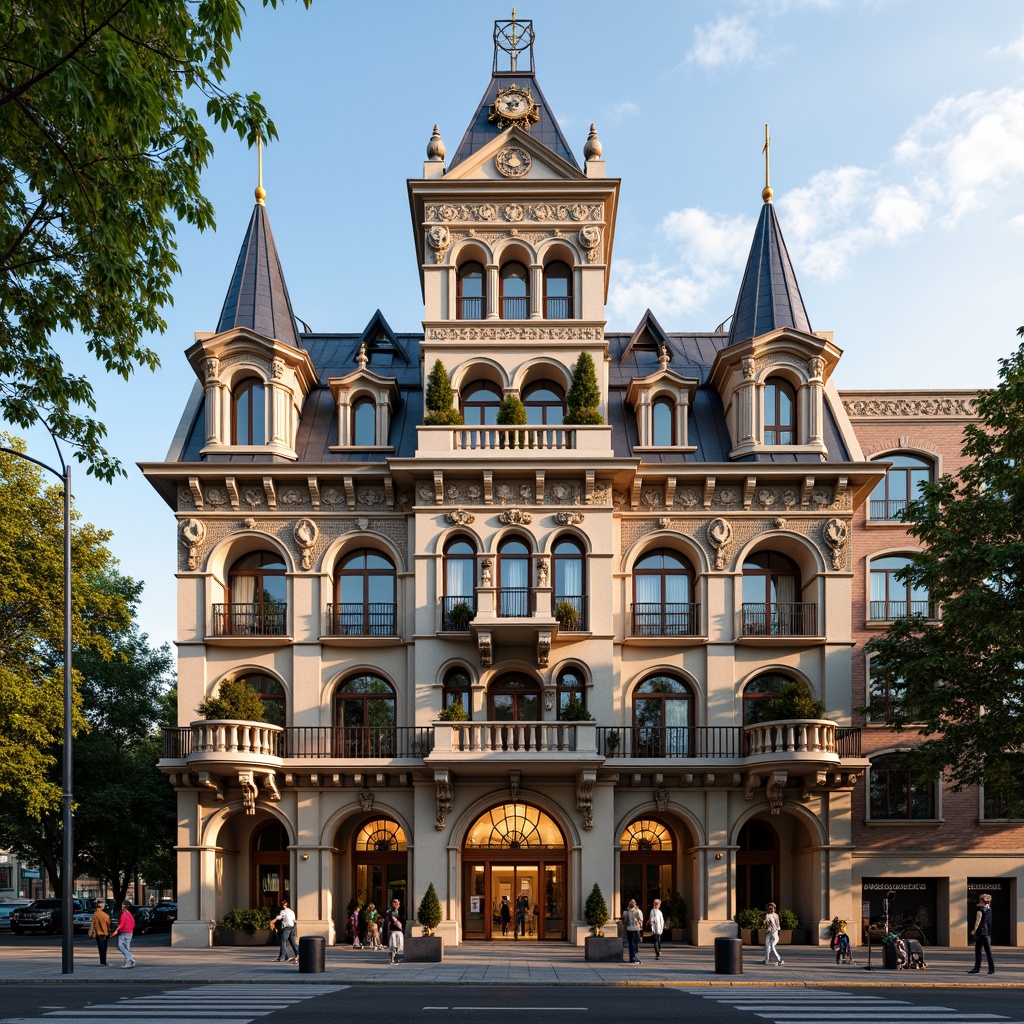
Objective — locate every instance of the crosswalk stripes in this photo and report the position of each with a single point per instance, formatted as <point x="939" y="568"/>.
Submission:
<point x="218" y="1004"/>
<point x="824" y="1006"/>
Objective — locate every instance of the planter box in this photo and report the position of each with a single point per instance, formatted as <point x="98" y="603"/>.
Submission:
<point x="228" y="937"/>
<point x="424" y="949"/>
<point x="606" y="948"/>
<point x="676" y="934"/>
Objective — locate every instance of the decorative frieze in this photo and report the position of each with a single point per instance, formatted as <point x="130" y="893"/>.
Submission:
<point x="933" y="406"/>
<point x="512" y="333"/>
<point x="487" y="213"/>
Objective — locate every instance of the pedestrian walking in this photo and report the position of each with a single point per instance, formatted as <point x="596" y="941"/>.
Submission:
<point x="124" y="931"/>
<point x="353" y="923"/>
<point x="372" y="927"/>
<point x="99" y="929"/>
<point x="633" y="919"/>
<point x="772" y="927"/>
<point x="522" y="908"/>
<point x="396" y="933"/>
<point x="505" y="914"/>
<point x="982" y="932"/>
<point x="656" y="919"/>
<point x="285" y="922"/>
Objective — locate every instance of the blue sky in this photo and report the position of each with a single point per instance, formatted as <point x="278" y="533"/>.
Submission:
<point x="897" y="162"/>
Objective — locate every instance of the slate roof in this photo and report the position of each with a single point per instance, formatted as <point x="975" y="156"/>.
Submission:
<point x="769" y="296"/>
<point x="480" y="131"/>
<point x="257" y="297"/>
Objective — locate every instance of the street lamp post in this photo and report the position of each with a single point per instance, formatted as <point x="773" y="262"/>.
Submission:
<point x="67" y="860"/>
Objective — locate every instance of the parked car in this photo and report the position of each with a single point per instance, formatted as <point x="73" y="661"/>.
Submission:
<point x="42" y="916"/>
<point x="6" y="909"/>
<point x="165" y="913"/>
<point x="81" y="920"/>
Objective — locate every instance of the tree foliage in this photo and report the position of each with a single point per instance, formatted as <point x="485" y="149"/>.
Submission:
<point x="429" y="912"/>
<point x="235" y="701"/>
<point x="101" y="153"/>
<point x="963" y="676"/>
<point x="595" y="910"/>
<point x="793" y="701"/>
<point x="584" y="397"/>
<point x="441" y="409"/>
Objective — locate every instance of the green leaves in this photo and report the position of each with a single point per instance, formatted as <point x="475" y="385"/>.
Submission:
<point x="100" y="154"/>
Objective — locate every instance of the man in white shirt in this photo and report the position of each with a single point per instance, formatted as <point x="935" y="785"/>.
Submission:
<point x="656" y="919"/>
<point x="396" y="933"/>
<point x="285" y="922"/>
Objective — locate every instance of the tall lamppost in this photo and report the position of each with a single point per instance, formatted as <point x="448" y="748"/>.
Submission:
<point x="67" y="861"/>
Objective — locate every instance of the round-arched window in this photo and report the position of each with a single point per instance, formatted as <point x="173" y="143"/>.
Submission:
<point x="364" y="590"/>
<point x="457" y="689"/>
<point x="513" y="578"/>
<point x="570" y="584"/>
<point x="515" y="292"/>
<point x="513" y="697"/>
<point x="543" y="401"/>
<point x="663" y="602"/>
<point x="662" y="717"/>
<point x="471" y="305"/>
<point x="779" y="412"/>
<point x="257" y="590"/>
<point x="515" y="826"/>
<point x="249" y="411"/>
<point x="364" y="423"/>
<point x="364" y="717"/>
<point x="480" y="401"/>
<point x="558" y="291"/>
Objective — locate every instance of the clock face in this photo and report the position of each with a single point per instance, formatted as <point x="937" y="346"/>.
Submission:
<point x="514" y="105"/>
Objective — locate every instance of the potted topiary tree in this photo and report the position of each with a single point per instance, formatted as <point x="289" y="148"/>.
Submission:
<point x="458" y="617"/>
<point x="455" y="712"/>
<point x="751" y="922"/>
<point x="597" y="946"/>
<point x="426" y="948"/>
<point x="574" y="711"/>
<point x="441" y="411"/>
<point x="584" y="395"/>
<point x="790" y="932"/>
<point x="791" y="702"/>
<point x="511" y="413"/>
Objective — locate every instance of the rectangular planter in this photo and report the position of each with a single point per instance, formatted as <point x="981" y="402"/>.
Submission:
<point x="424" y="949"/>
<point x="606" y="948"/>
<point x="229" y="937"/>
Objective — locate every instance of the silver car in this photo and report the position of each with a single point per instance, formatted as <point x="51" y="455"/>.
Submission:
<point x="9" y="907"/>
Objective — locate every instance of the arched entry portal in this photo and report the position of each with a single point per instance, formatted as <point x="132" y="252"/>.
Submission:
<point x="514" y="853"/>
<point x="380" y="860"/>
<point x="647" y="862"/>
<point x="757" y="865"/>
<point x="271" y="873"/>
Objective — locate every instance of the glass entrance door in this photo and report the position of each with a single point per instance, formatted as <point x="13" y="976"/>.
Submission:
<point x="514" y="902"/>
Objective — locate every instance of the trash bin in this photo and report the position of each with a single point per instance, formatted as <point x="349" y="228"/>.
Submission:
<point x="728" y="956"/>
<point x="889" y="959"/>
<point x="311" y="955"/>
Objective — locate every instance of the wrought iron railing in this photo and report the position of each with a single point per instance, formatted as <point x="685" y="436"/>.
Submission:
<point x="789" y="619"/>
<point x="887" y="508"/>
<point x="848" y="742"/>
<point x="701" y="741"/>
<point x="557" y="307"/>
<point x="671" y="619"/>
<point x="576" y="621"/>
<point x="356" y="619"/>
<point x="269" y="619"/>
<point x="471" y="308"/>
<point x="514" y="602"/>
<point x="457" y="612"/>
<point x="515" y="307"/>
<point x="888" y="611"/>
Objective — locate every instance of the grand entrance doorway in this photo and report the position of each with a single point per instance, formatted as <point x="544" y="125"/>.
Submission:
<point x="646" y="862"/>
<point x="514" y="875"/>
<point x="381" y="864"/>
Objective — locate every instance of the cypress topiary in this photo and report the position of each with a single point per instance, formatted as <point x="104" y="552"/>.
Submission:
<point x="511" y="413"/>
<point x="441" y="411"/>
<point x="596" y="910"/>
<point x="584" y="395"/>
<point x="429" y="913"/>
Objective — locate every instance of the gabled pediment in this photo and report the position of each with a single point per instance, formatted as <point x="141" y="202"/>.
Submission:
<point x="785" y="344"/>
<point x="379" y="339"/>
<point x="649" y="336"/>
<point x="514" y="155"/>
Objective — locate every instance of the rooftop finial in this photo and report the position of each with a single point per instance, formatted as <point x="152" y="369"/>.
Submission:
<point x="766" y="192"/>
<point x="592" y="148"/>
<point x="435" y="147"/>
<point x="361" y="359"/>
<point x="261" y="192"/>
<point x="514" y="38"/>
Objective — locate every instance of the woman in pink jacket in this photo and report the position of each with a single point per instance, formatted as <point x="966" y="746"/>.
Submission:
<point x="124" y="931"/>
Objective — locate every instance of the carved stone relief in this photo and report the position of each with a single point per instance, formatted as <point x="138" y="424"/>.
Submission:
<point x="569" y="518"/>
<point x="457" y="517"/>
<point x="836" y="533"/>
<point x="515" y="517"/>
<point x="530" y="211"/>
<point x="306" y="533"/>
<point x="938" y="405"/>
<point x="193" y="533"/>
<point x="719" y="534"/>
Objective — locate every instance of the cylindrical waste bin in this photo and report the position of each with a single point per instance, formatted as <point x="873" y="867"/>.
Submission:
<point x="311" y="955"/>
<point x="728" y="956"/>
<point x="890" y="960"/>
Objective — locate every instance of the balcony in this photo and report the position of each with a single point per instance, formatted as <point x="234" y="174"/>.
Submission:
<point x="889" y="611"/>
<point x="457" y="612"/>
<point x="571" y="611"/>
<point x="672" y="619"/>
<point x="779" y="621"/>
<point x="529" y="746"/>
<point x="509" y="442"/>
<point x="886" y="509"/>
<point x="235" y="624"/>
<point x="358" y="619"/>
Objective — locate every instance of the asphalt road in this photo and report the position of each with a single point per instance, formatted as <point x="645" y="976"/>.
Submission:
<point x="290" y="1004"/>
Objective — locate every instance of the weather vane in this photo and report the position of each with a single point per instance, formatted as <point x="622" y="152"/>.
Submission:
<point x="766" y="193"/>
<point x="514" y="38"/>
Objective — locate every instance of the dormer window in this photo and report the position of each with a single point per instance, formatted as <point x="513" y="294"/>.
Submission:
<point x="471" y="305"/>
<point x="249" y="412"/>
<point x="663" y="433"/>
<point x="662" y="405"/>
<point x="779" y="412"/>
<point x="515" y="292"/>
<point x="558" y="291"/>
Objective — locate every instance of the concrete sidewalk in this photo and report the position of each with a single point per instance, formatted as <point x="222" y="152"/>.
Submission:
<point x="495" y="964"/>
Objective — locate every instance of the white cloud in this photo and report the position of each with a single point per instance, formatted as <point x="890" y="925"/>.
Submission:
<point x="622" y="111"/>
<point x="728" y="40"/>
<point x="1014" y="49"/>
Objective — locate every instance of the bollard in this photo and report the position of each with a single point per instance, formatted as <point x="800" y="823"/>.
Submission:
<point x="728" y="956"/>
<point x="311" y="955"/>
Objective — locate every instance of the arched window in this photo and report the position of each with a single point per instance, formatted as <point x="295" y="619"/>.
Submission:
<point x="364" y="592"/>
<point x="892" y="598"/>
<point x="364" y="718"/>
<point x="249" y="412"/>
<point x="472" y="292"/>
<point x="513" y="698"/>
<point x="570" y="584"/>
<point x="458" y="687"/>
<point x="902" y="484"/>
<point x="272" y="694"/>
<point x="256" y="597"/>
<point x="480" y="403"/>
<point x="380" y="859"/>
<point x="663" y="423"/>
<point x="663" y="596"/>
<point x="558" y="291"/>
<point x="757" y="865"/>
<point x="779" y="412"/>
<point x="364" y="423"/>
<point x="515" y="292"/>
<point x="763" y="688"/>
<point x="771" y="585"/>
<point x="544" y="402"/>
<point x="571" y="693"/>
<point x="513" y="578"/>
<point x="458" y="605"/>
<point x="898" y="789"/>
<point x="662" y="717"/>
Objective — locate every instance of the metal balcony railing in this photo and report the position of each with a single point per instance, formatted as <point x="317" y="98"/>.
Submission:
<point x="300" y="742"/>
<point x="515" y="308"/>
<point x="457" y="612"/>
<point x="514" y="603"/>
<point x="353" y="619"/>
<point x="886" y="508"/>
<point x="671" y="619"/>
<point x="789" y="619"/>
<point x="888" y="611"/>
<point x="471" y="308"/>
<point x="670" y="741"/>
<point x="557" y="307"/>
<point x="571" y="623"/>
<point x="249" y="619"/>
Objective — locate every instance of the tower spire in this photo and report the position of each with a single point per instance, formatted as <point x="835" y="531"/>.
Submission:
<point x="766" y="192"/>
<point x="261" y="192"/>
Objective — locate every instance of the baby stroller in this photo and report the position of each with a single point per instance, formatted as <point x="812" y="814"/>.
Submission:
<point x="902" y="956"/>
<point x="915" y="955"/>
<point x="843" y="949"/>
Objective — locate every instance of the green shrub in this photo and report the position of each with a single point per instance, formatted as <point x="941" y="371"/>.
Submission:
<point x="788" y="920"/>
<point x="249" y="921"/>
<point x="792" y="701"/>
<point x="429" y="913"/>
<point x="673" y="906"/>
<point x="441" y="411"/>
<point x="596" y="910"/>
<point x="567" y="615"/>
<point x="574" y="711"/>
<point x="511" y="413"/>
<point x="455" y="712"/>
<point x="459" y="617"/>
<point x="236" y="701"/>
<point x="584" y="395"/>
<point x="752" y="918"/>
